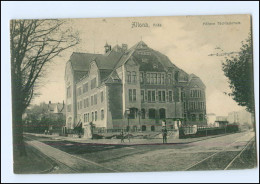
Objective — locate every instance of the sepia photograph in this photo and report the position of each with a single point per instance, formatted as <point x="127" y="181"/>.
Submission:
<point x="132" y="94"/>
<point x="131" y="97"/>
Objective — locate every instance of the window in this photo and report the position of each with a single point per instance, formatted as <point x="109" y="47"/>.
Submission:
<point x="96" y="115"/>
<point x="130" y="95"/>
<point x="152" y="113"/>
<point x="184" y="106"/>
<point x="133" y="113"/>
<point x="201" y="117"/>
<point x="153" y="96"/>
<point x="79" y="92"/>
<point x="102" y="114"/>
<point x="92" y="116"/>
<point x="176" y="76"/>
<point x="134" y="77"/>
<point x="134" y="95"/>
<point x="102" y="96"/>
<point x="80" y="104"/>
<point x="195" y="93"/>
<point x="85" y="103"/>
<point x="169" y="78"/>
<point x="93" y="83"/>
<point x="201" y="105"/>
<point x="141" y="77"/>
<point x="161" y="96"/>
<point x="85" y="88"/>
<point x="143" y="128"/>
<point x="170" y="96"/>
<point x="162" y="113"/>
<point x="129" y="77"/>
<point x="142" y="95"/>
<point x="152" y="128"/>
<point x="143" y="113"/>
<point x="162" y="79"/>
<point x="176" y="95"/>
<point x="69" y="92"/>
<point x="95" y="99"/>
<point x="193" y="117"/>
<point x="185" y="116"/>
<point x="149" y="96"/>
<point x="92" y="100"/>
<point x="69" y="108"/>
<point x="192" y="105"/>
<point x="148" y="78"/>
<point x="155" y="78"/>
<point x="159" y="78"/>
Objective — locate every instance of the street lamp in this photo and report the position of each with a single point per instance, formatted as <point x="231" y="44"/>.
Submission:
<point x="139" y="114"/>
<point x="128" y="113"/>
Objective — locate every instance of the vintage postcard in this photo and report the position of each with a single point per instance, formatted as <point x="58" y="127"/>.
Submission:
<point x="98" y="95"/>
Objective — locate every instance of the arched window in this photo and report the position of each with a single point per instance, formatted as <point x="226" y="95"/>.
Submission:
<point x="193" y="117"/>
<point x="143" y="113"/>
<point x="162" y="113"/>
<point x="152" y="113"/>
<point x="133" y="113"/>
<point x="133" y="77"/>
<point x="201" y="117"/>
<point x="143" y="128"/>
<point x="152" y="128"/>
<point x="176" y="76"/>
<point x="135" y="128"/>
<point x="129" y="77"/>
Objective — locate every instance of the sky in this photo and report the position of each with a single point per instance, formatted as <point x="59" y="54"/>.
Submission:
<point x="186" y="40"/>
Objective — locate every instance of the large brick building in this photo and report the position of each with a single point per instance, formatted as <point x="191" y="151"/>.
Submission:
<point x="137" y="86"/>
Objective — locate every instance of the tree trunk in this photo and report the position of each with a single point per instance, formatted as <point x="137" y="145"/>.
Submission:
<point x="17" y="112"/>
<point x="18" y="140"/>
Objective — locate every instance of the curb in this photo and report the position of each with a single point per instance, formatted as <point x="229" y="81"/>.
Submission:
<point x="47" y="159"/>
<point x="134" y="144"/>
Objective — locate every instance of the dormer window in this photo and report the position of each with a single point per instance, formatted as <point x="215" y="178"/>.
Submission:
<point x="107" y="48"/>
<point x="155" y="66"/>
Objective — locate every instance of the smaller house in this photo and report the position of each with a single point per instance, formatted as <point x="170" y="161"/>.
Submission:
<point x="211" y="118"/>
<point x="56" y="108"/>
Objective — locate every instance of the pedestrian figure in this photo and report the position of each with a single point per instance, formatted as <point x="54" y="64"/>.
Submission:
<point x="122" y="136"/>
<point x="128" y="136"/>
<point x="164" y="134"/>
<point x="45" y="132"/>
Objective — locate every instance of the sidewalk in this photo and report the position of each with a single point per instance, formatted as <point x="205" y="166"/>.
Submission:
<point x="34" y="163"/>
<point x="133" y="141"/>
<point x="72" y="162"/>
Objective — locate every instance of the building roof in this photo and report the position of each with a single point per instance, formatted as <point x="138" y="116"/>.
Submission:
<point x="56" y="107"/>
<point x="147" y="58"/>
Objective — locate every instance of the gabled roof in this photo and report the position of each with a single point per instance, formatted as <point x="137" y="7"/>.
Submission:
<point x="147" y="58"/>
<point x="195" y="80"/>
<point x="56" y="107"/>
<point x="80" y="61"/>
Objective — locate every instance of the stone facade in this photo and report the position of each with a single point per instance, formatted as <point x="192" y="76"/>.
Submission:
<point x="137" y="87"/>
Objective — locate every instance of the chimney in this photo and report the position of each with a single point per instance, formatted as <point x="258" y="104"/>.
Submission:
<point x="124" y="47"/>
<point x="107" y="48"/>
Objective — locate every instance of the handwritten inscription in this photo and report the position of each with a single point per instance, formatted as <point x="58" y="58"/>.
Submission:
<point x="144" y="25"/>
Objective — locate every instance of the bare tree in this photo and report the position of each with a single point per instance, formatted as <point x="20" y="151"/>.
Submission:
<point x="34" y="44"/>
